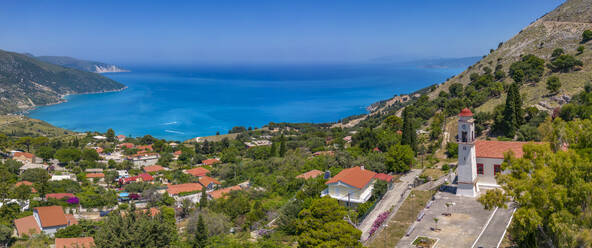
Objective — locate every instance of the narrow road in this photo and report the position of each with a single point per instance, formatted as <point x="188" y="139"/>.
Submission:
<point x="493" y="233"/>
<point x="388" y="200"/>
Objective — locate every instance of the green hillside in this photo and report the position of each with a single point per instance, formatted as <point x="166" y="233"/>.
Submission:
<point x="561" y="28"/>
<point x="26" y="82"/>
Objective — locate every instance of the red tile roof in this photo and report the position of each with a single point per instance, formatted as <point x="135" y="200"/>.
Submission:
<point x="206" y="180"/>
<point x="144" y="177"/>
<point x="51" y="216"/>
<point x="324" y="153"/>
<point x="59" y="195"/>
<point x="26" y="183"/>
<point x="210" y="161"/>
<point x="384" y="177"/>
<point x="23" y="154"/>
<point x="146" y="147"/>
<point x="221" y="192"/>
<point x="126" y="145"/>
<point x="71" y="219"/>
<point x="186" y="187"/>
<point x="310" y="174"/>
<point x="356" y="177"/>
<point x="197" y="172"/>
<point x="86" y="242"/>
<point x="26" y="226"/>
<point x="95" y="175"/>
<point x="496" y="149"/>
<point x="153" y="168"/>
<point x="465" y="112"/>
<point x="178" y="153"/>
<point x="99" y="150"/>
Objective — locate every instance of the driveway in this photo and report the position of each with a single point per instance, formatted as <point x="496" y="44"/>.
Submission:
<point x="392" y="197"/>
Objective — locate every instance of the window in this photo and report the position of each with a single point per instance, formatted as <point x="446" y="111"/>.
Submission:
<point x="464" y="137"/>
<point x="497" y="169"/>
<point x="480" y="169"/>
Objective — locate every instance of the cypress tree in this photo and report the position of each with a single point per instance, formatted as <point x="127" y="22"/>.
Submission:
<point x="409" y="134"/>
<point x="283" y="147"/>
<point x="201" y="233"/>
<point x="203" y="201"/>
<point x="273" y="150"/>
<point x="513" y="114"/>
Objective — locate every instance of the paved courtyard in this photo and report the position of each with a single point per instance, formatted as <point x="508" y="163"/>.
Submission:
<point x="469" y="225"/>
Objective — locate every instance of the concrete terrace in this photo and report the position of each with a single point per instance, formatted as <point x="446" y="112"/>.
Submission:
<point x="469" y="225"/>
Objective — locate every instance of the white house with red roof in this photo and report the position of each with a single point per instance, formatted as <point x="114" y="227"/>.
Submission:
<point x="479" y="161"/>
<point x="351" y="186"/>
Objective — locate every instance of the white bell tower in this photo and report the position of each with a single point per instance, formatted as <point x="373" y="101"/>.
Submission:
<point x="467" y="161"/>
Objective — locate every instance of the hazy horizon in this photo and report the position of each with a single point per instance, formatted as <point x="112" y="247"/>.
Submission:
<point x="133" y="32"/>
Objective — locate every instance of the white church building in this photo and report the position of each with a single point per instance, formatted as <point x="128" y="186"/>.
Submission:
<point x="479" y="160"/>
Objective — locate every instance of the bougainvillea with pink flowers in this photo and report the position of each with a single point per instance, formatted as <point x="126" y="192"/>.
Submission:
<point x="73" y="200"/>
<point x="378" y="222"/>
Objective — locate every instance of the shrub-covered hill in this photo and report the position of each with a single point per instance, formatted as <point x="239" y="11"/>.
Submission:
<point x="26" y="82"/>
<point x="561" y="28"/>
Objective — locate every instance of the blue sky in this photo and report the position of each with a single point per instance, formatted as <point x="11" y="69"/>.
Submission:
<point x="263" y="31"/>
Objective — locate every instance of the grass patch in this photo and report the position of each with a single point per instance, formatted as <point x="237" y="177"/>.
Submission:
<point x="433" y="173"/>
<point x="398" y="225"/>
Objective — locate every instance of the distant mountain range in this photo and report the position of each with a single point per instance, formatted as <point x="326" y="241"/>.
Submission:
<point x="27" y="82"/>
<point x="79" y="64"/>
<point x="430" y="62"/>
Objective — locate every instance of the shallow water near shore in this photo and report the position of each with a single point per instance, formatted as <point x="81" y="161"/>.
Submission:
<point x="182" y="102"/>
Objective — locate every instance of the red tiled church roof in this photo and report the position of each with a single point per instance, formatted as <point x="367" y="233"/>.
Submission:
<point x="466" y="112"/>
<point x="496" y="149"/>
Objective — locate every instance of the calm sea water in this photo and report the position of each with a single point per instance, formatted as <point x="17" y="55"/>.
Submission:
<point x="182" y="102"/>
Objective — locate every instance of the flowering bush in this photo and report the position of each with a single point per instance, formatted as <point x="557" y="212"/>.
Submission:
<point x="73" y="200"/>
<point x="378" y="222"/>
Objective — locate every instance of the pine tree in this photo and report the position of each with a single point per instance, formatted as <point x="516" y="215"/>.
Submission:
<point x="283" y="147"/>
<point x="201" y="234"/>
<point x="110" y="135"/>
<point x="203" y="201"/>
<point x="409" y="134"/>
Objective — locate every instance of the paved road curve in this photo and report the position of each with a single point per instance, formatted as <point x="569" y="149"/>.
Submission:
<point x="390" y="199"/>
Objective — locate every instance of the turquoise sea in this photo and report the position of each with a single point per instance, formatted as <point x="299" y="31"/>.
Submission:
<point x="182" y="102"/>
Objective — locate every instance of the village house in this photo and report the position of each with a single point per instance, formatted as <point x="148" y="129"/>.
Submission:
<point x="209" y="183"/>
<point x="144" y="177"/>
<point x="25" y="158"/>
<point x="217" y="194"/>
<point x="120" y="137"/>
<point x="27" y="183"/>
<point x="29" y="166"/>
<point x="63" y="177"/>
<point x="351" y="186"/>
<point x="145" y="159"/>
<point x="44" y="219"/>
<point x="100" y="176"/>
<point x="153" y="169"/>
<point x="197" y="172"/>
<point x="479" y="161"/>
<point x="84" y="242"/>
<point x="59" y="196"/>
<point x="211" y="161"/>
<point x="180" y="192"/>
